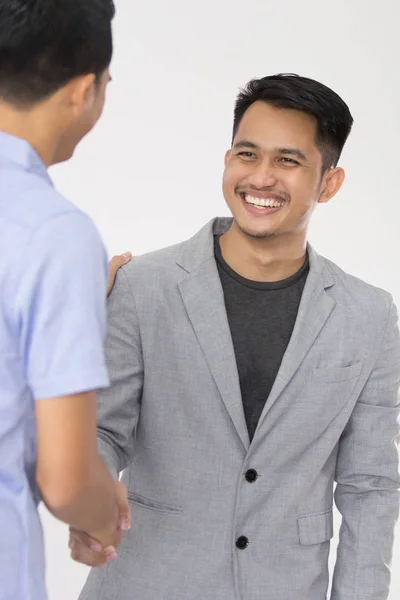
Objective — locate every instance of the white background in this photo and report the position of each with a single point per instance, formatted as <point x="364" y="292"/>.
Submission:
<point x="150" y="174"/>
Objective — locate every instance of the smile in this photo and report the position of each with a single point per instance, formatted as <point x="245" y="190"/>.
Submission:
<point x="262" y="202"/>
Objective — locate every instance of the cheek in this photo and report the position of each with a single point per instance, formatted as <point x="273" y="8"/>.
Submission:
<point x="304" y="198"/>
<point x="95" y="116"/>
<point x="100" y="108"/>
<point x="303" y="186"/>
<point x="96" y="112"/>
<point x="227" y="179"/>
<point x="233" y="175"/>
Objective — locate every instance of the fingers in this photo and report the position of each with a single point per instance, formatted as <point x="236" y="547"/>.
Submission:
<point x="115" y="264"/>
<point x="120" y="260"/>
<point x="88" y="550"/>
<point x="83" y="554"/>
<point x="123" y="507"/>
<point x="85" y="540"/>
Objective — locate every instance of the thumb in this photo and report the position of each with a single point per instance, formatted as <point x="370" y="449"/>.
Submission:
<point x="123" y="507"/>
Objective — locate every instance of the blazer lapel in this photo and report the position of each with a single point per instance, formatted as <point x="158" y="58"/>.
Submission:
<point x="202" y="294"/>
<point x="315" y="307"/>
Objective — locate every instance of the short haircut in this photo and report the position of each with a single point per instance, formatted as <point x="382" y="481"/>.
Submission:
<point x="44" y="44"/>
<point x="290" y="91"/>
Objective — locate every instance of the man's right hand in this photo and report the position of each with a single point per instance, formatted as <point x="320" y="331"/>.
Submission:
<point x="88" y="550"/>
<point x="114" y="266"/>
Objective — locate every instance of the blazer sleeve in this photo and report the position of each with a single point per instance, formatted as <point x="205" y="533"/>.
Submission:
<point x="368" y="482"/>
<point x="119" y="405"/>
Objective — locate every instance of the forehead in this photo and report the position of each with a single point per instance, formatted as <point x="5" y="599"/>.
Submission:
<point x="271" y="127"/>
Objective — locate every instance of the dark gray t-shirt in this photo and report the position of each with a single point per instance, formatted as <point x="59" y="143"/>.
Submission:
<point x="261" y="318"/>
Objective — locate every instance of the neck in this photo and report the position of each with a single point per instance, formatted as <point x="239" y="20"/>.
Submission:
<point x="264" y="259"/>
<point x="35" y="126"/>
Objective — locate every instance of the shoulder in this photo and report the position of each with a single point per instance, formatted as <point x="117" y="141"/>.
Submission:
<point x="29" y="201"/>
<point x="364" y="298"/>
<point x="158" y="266"/>
<point x="42" y="230"/>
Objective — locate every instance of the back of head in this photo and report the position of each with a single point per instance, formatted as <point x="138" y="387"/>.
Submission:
<point x="289" y="91"/>
<point x="44" y="44"/>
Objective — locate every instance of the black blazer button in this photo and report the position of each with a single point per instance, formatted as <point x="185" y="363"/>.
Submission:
<point x="251" y="475"/>
<point x="242" y="542"/>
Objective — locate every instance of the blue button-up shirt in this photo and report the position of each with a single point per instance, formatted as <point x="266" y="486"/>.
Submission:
<point x="52" y="320"/>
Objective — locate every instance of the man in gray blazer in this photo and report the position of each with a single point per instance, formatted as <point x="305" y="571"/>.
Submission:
<point x="249" y="374"/>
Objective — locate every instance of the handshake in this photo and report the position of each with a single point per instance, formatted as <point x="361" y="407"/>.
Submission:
<point x="91" y="551"/>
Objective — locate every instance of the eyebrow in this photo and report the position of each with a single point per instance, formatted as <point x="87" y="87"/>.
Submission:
<point x="246" y="144"/>
<point x="288" y="151"/>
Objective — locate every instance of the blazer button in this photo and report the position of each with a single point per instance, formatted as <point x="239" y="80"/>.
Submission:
<point x="242" y="542"/>
<point x="251" y="475"/>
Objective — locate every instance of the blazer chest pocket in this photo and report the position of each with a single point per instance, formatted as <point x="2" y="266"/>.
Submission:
<point x="336" y="374"/>
<point x="152" y="505"/>
<point x="316" y="528"/>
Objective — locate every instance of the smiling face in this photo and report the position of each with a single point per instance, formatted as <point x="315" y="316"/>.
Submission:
<point x="273" y="175"/>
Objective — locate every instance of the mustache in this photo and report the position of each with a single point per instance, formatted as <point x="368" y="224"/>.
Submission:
<point x="267" y="190"/>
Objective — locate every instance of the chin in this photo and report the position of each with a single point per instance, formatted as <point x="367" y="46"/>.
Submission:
<point x="256" y="233"/>
<point x="260" y="235"/>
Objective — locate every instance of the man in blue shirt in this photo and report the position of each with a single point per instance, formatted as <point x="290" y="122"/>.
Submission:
<point x="54" y="57"/>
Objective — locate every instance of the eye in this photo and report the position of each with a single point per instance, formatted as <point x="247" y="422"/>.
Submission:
<point x="247" y="154"/>
<point x="289" y="161"/>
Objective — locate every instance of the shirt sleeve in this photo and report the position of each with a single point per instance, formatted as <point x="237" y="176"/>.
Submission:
<point x="61" y="308"/>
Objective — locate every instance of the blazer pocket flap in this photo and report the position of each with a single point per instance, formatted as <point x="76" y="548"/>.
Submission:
<point x="152" y="504"/>
<point x="315" y="529"/>
<point x="331" y="374"/>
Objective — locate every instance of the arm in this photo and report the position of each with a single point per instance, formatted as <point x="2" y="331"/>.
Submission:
<point x="119" y="405"/>
<point x="75" y="484"/>
<point x="60" y="312"/>
<point x="368" y="481"/>
<point x="70" y="472"/>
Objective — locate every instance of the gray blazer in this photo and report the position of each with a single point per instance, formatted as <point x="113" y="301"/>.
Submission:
<point x="173" y="420"/>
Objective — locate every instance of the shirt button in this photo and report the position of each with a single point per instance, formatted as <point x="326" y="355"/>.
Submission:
<point x="251" y="475"/>
<point x="242" y="542"/>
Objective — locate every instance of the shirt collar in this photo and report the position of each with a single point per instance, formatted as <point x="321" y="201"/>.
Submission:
<point x="20" y="152"/>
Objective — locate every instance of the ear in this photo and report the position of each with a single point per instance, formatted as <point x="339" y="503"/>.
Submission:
<point x="331" y="184"/>
<point x="227" y="157"/>
<point x="82" y="91"/>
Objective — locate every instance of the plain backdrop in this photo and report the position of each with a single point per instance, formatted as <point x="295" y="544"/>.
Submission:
<point x="150" y="174"/>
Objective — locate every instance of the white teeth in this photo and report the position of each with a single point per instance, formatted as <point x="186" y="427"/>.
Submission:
<point x="271" y="203"/>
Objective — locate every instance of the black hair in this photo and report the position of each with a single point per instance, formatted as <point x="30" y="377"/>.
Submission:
<point x="333" y="117"/>
<point x="44" y="44"/>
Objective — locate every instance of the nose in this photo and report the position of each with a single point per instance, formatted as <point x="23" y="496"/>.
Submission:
<point x="263" y="175"/>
